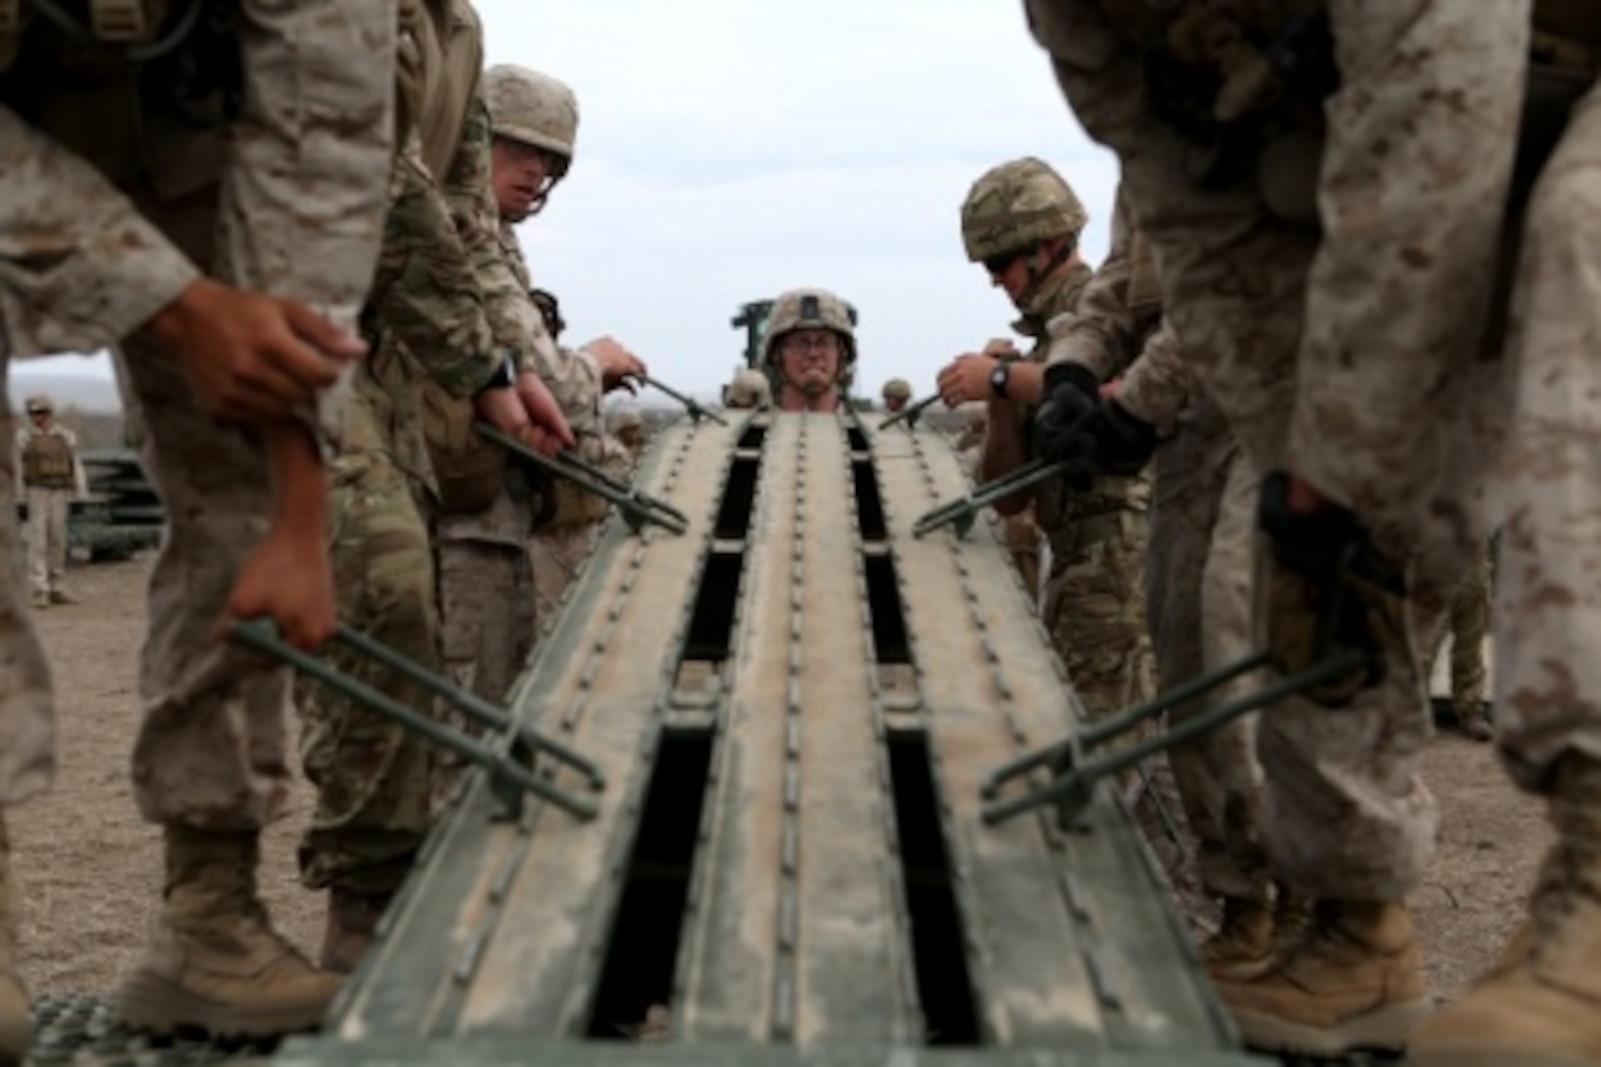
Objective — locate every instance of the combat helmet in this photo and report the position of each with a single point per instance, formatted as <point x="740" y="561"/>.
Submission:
<point x="534" y="108"/>
<point x="1017" y="206"/>
<point x="749" y="389"/>
<point x="39" y="404"/>
<point x="810" y="309"/>
<point x="897" y="389"/>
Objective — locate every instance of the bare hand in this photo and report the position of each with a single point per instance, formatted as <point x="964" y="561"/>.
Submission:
<point x="251" y="357"/>
<point x="617" y="364"/>
<point x="526" y="411"/>
<point x="967" y="377"/>
<point x="289" y="580"/>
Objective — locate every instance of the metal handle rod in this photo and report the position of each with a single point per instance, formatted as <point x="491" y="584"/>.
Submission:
<point x="636" y="507"/>
<point x="1125" y="721"/>
<point x="909" y="413"/>
<point x="261" y="636"/>
<point x="1079" y="780"/>
<point x="693" y="406"/>
<point x="1014" y="481"/>
<point x="474" y="706"/>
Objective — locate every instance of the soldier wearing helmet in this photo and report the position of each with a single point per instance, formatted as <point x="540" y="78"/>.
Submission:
<point x="751" y="390"/>
<point x="1022" y="221"/>
<point x="47" y="461"/>
<point x="897" y="394"/>
<point x="628" y="427"/>
<point x="810" y="344"/>
<point x="535" y="122"/>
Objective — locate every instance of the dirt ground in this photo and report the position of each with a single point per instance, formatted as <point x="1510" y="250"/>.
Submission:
<point x="89" y="869"/>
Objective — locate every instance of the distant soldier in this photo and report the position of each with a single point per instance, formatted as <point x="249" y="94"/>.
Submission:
<point x="52" y="476"/>
<point x="750" y="390"/>
<point x="1469" y="626"/>
<point x="810" y="343"/>
<point x="897" y="394"/>
<point x="217" y="222"/>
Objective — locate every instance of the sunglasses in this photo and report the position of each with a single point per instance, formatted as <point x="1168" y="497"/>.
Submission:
<point x="998" y="264"/>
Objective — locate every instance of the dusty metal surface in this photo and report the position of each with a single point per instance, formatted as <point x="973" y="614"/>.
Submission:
<point x="794" y="705"/>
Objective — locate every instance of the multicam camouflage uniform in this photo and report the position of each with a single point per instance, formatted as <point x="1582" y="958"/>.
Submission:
<point x="1467" y="626"/>
<point x="444" y="307"/>
<point x="285" y="200"/>
<point x="1094" y="602"/>
<point x="1331" y="284"/>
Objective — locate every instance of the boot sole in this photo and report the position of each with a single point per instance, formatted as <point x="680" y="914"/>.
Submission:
<point x="1479" y="1056"/>
<point x="1386" y="1028"/>
<point x="159" y="1006"/>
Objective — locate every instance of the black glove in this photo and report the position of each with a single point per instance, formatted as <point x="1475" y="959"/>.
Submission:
<point x="1072" y="393"/>
<point x="1327" y="590"/>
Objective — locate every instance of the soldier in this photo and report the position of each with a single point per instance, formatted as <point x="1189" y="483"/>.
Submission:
<point x="750" y="390"/>
<point x="1021" y="221"/>
<point x="1331" y="239"/>
<point x="897" y="394"/>
<point x="535" y="122"/>
<point x="810" y="343"/>
<point x="1198" y="583"/>
<point x="273" y="184"/>
<point x="451" y="342"/>
<point x="52" y="476"/>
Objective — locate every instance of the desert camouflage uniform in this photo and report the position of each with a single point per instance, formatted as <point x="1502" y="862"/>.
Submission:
<point x="298" y="181"/>
<point x="443" y="307"/>
<point x="1094" y="604"/>
<point x="1198" y="572"/>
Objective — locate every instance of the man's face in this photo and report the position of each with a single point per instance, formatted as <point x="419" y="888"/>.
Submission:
<point x="1010" y="272"/>
<point x="894" y="403"/>
<point x="809" y="360"/>
<point x="520" y="175"/>
<point x="40" y="417"/>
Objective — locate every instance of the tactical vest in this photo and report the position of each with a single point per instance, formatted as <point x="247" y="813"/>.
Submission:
<point x="47" y="461"/>
<point x="126" y="84"/>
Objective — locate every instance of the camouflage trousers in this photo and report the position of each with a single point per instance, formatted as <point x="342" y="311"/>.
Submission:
<point x="47" y="539"/>
<point x="212" y="751"/>
<point x="1094" y="605"/>
<point x="559" y="552"/>
<point x="1198" y="580"/>
<point x="1467" y="625"/>
<point x="487" y="602"/>
<point x="372" y="776"/>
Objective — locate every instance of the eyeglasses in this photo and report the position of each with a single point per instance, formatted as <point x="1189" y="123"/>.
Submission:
<point x="820" y="342"/>
<point x="998" y="264"/>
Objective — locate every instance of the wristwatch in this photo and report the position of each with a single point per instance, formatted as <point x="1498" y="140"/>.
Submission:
<point x="999" y="377"/>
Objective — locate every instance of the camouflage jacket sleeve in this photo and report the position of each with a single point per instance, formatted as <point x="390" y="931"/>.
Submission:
<point x="472" y="204"/>
<point x="1100" y="333"/>
<point x="425" y="292"/>
<point x="303" y="201"/>
<point x="1157" y="387"/>
<point x="80" y="268"/>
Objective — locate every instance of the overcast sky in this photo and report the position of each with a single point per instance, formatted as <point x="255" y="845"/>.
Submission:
<point x="730" y="149"/>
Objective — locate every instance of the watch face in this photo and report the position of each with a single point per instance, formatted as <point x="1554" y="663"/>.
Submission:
<point x="998" y="378"/>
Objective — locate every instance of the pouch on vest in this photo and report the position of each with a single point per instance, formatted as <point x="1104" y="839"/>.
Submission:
<point x="469" y="470"/>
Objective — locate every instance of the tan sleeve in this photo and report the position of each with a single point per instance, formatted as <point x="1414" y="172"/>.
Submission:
<point x="80" y="268"/>
<point x="1100" y="331"/>
<point x="304" y="196"/>
<point x="1157" y="387"/>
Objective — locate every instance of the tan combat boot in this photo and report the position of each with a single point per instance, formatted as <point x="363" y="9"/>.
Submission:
<point x="1541" y="1005"/>
<point x="214" y="962"/>
<point x="1242" y="948"/>
<point x="352" y="921"/>
<point x="1353" y="982"/>
<point x="15" y="1027"/>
